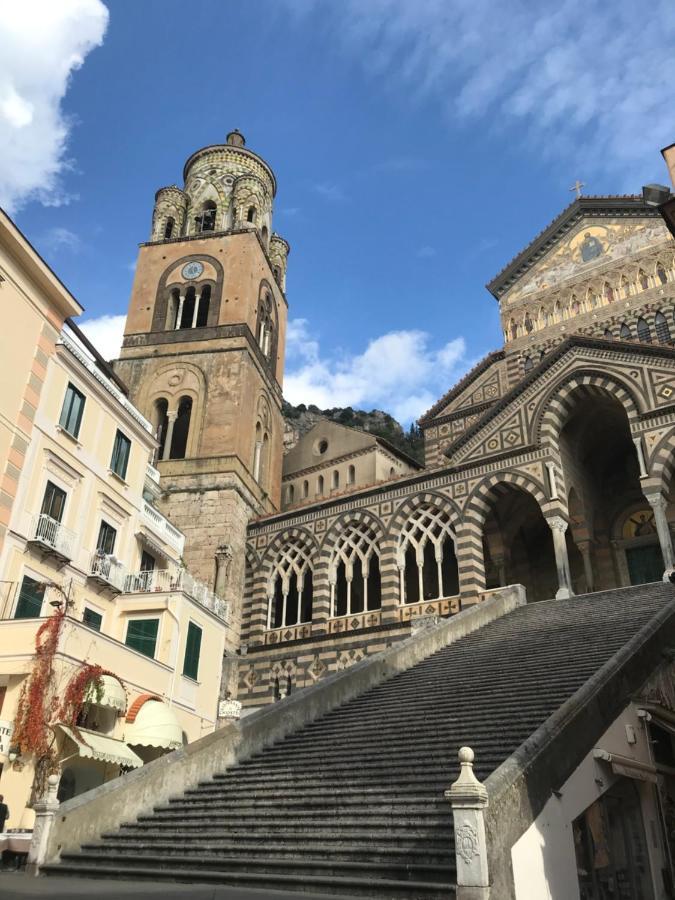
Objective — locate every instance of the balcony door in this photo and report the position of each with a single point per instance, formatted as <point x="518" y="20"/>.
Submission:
<point x="53" y="502"/>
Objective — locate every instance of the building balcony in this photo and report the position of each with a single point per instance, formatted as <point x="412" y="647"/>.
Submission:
<point x="164" y="580"/>
<point x="107" y="571"/>
<point x="50" y="537"/>
<point x="162" y="528"/>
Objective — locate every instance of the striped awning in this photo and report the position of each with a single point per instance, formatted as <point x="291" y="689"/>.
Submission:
<point x="93" y="745"/>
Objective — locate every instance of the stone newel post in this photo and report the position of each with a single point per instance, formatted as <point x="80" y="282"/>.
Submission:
<point x="45" y="811"/>
<point x="469" y="799"/>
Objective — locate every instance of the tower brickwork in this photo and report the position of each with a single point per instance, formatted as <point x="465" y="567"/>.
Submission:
<point x="203" y="355"/>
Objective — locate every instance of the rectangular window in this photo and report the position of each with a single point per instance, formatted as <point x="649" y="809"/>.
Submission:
<point x="31" y="595"/>
<point x="142" y="635"/>
<point x="71" y="414"/>
<point x="193" y="645"/>
<point x="120" y="454"/>
<point x="147" y="562"/>
<point x="107" y="536"/>
<point x="53" y="502"/>
<point x="91" y="618"/>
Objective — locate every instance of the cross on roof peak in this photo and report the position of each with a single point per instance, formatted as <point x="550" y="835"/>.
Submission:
<point x="577" y="186"/>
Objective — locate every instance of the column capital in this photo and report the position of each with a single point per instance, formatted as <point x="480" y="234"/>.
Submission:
<point x="557" y="523"/>
<point x="656" y="500"/>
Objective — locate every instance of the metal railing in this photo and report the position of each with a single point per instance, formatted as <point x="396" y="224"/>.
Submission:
<point x="108" y="569"/>
<point x="53" y="534"/>
<point x="163" y="528"/>
<point x="179" y="580"/>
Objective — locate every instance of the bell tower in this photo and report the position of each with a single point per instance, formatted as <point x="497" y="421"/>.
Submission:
<point x="203" y="354"/>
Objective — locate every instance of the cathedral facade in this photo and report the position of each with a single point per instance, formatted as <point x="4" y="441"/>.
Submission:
<point x="549" y="464"/>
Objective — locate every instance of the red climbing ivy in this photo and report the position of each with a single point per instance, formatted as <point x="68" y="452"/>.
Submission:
<point x="38" y="701"/>
<point x="85" y="687"/>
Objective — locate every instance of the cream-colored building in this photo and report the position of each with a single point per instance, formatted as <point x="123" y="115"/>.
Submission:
<point x="84" y="538"/>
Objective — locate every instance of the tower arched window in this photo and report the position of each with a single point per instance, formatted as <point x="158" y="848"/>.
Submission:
<point x="336" y="480"/>
<point x="169" y="227"/>
<point x="260" y="454"/>
<point x="206" y="219"/>
<point x="575" y="306"/>
<point x="662" y="329"/>
<point x="291" y="586"/>
<point x="181" y="429"/>
<point x="513" y="329"/>
<point x="291" y="493"/>
<point x="625" y="287"/>
<point x="265" y="334"/>
<point x="161" y="422"/>
<point x="264" y="234"/>
<point x="426" y="557"/>
<point x="354" y="572"/>
<point x="251" y="214"/>
<point x="277" y="274"/>
<point x="527" y="323"/>
<point x="202" y="318"/>
<point x="188" y="308"/>
<point x="172" y="308"/>
<point x="661" y="273"/>
<point x="305" y="489"/>
<point x="608" y="292"/>
<point x="643" y="281"/>
<point x="643" y="331"/>
<point x="351" y="477"/>
<point x="319" y="486"/>
<point x="625" y="332"/>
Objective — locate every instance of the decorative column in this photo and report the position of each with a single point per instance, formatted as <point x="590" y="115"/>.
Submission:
<point x="469" y="799"/>
<point x="558" y="527"/>
<point x="224" y="556"/>
<point x="641" y="457"/>
<point x="179" y="314"/>
<point x="470" y="562"/>
<point x="585" y="550"/>
<point x="45" y="812"/>
<point x="171" y="420"/>
<point x="198" y="297"/>
<point x="658" y="503"/>
<point x="391" y="583"/>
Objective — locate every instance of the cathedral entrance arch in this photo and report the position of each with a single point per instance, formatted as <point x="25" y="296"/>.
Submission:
<point x="518" y="544"/>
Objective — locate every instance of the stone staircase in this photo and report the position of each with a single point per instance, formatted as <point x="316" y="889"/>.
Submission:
<point x="353" y="802"/>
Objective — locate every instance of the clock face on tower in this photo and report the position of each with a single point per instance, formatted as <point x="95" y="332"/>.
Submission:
<point x="192" y="270"/>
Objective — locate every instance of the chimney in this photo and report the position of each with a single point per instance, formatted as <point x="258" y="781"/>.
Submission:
<point x="668" y="154"/>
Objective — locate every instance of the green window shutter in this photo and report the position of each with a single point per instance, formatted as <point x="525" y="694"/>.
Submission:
<point x="31" y="595"/>
<point x="120" y="455"/>
<point x="142" y="635"/>
<point x="193" y="645"/>
<point x="92" y="618"/>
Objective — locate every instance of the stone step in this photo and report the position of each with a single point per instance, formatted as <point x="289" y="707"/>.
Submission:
<point x="289" y="834"/>
<point x="362" y="886"/>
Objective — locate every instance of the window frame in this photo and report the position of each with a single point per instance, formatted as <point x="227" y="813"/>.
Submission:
<point x="100" y="548"/>
<point x="56" y="490"/>
<point x="67" y="409"/>
<point x="20" y="598"/>
<point x="192" y="630"/>
<point x="96" y="614"/>
<point x="121" y="441"/>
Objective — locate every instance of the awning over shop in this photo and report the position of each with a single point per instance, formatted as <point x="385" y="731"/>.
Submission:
<point x="113" y="694"/>
<point x="624" y="765"/>
<point x="154" y="725"/>
<point x="99" y="746"/>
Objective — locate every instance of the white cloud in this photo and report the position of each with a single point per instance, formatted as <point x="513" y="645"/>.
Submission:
<point x="330" y="191"/>
<point x="60" y="238"/>
<point x="426" y="252"/>
<point x="584" y="80"/>
<point x="399" y="372"/>
<point x="105" y="333"/>
<point x="42" y="42"/>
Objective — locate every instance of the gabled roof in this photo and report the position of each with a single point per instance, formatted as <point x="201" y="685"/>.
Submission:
<point x="463" y="383"/>
<point x="553" y="356"/>
<point x="582" y="207"/>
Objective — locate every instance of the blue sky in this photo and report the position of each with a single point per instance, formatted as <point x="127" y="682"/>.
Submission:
<point x="417" y="147"/>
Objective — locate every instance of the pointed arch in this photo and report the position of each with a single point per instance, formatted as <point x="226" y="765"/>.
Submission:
<point x="662" y="328"/>
<point x="354" y="569"/>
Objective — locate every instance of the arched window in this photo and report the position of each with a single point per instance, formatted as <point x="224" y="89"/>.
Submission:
<point x="264" y="234"/>
<point x="661" y="273"/>
<point x="319" y="486"/>
<point x="557" y="313"/>
<point x="172" y="308"/>
<point x="543" y="318"/>
<point x="513" y="329"/>
<point x="265" y="335"/>
<point x="181" y="429"/>
<point x="643" y="281"/>
<point x="625" y="333"/>
<point x="392" y="472"/>
<point x="426" y="557"/>
<point x="643" y="331"/>
<point x="260" y="454"/>
<point x="336" y="479"/>
<point x="527" y="323"/>
<point x="250" y="214"/>
<point x="161" y="421"/>
<point x="528" y="364"/>
<point x="575" y="306"/>
<point x="290" y="587"/>
<point x="608" y="292"/>
<point x="625" y="287"/>
<point x="168" y="228"/>
<point x="305" y="489"/>
<point x="662" y="329"/>
<point x="277" y="274"/>
<point x="203" y="308"/>
<point x="291" y="493"/>
<point x="354" y="572"/>
<point x="187" y="311"/>
<point x="351" y="477"/>
<point x="608" y="334"/>
<point x="206" y="220"/>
